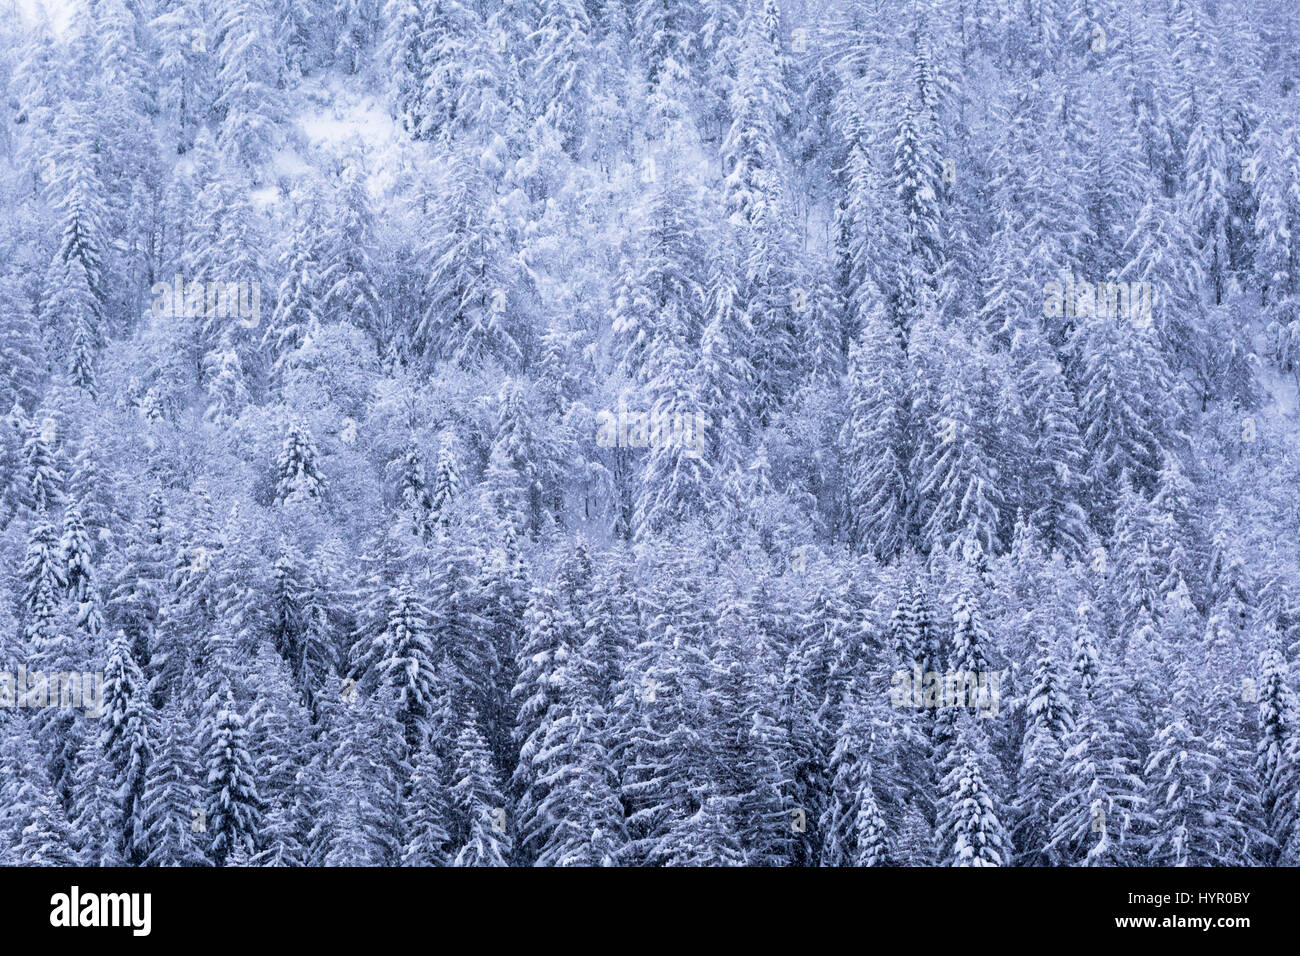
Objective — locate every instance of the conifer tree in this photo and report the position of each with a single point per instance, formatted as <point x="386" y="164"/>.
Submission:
<point x="298" y="303"/>
<point x="298" y="468"/>
<point x="232" y="805"/>
<point x="93" y="808"/>
<point x="446" y="483"/>
<point x="873" y="847"/>
<point x="129" y="740"/>
<point x="1275" y="164"/>
<point x="483" y="830"/>
<point x="1100" y="818"/>
<point x="1049" y="724"/>
<point x="1275" y="764"/>
<point x="958" y="462"/>
<point x="970" y="827"/>
<point x="403" y="48"/>
<point x="174" y="834"/>
<point x="875" y="439"/>
<point x="1205" y="201"/>
<point x="750" y="749"/>
<point x="247" y="96"/>
<point x="45" y="838"/>
<point x="427" y="813"/>
<point x="473" y="305"/>
<point x="348" y="288"/>
<point x="366" y="778"/>
<point x="561" y="71"/>
<point x="714" y="841"/>
<point x="43" y="581"/>
<point x="404" y="654"/>
<point x="40" y="481"/>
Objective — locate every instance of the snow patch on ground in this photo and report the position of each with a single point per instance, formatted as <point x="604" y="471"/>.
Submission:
<point x="340" y="124"/>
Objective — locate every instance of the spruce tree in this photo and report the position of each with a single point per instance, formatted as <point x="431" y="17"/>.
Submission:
<point x="174" y="834"/>
<point x="128" y="739"/>
<point x="298" y="468"/>
<point x="483" y="826"/>
<point x="231" y="803"/>
<point x="970" y="827"/>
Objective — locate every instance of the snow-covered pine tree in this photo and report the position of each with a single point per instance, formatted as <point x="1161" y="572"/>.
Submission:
<point x="299" y="477"/>
<point x="726" y="376"/>
<point x="958" y="464"/>
<point x="577" y="819"/>
<point x="298" y="303"/>
<point x="1100" y="818"/>
<point x="365" y="778"/>
<point x="876" y="439"/>
<point x="348" y="289"/>
<point x="232" y="806"/>
<point x="93" y="808"/>
<point x="171" y="800"/>
<point x="714" y="840"/>
<point x="482" y="834"/>
<point x="75" y="279"/>
<point x="1190" y="827"/>
<point x="1049" y="722"/>
<point x="1275" y="761"/>
<point x="39" y="481"/>
<point x="473" y="303"/>
<point x="664" y="32"/>
<point x="664" y="763"/>
<point x="428" y="813"/>
<point x="446" y="482"/>
<point x="750" y="751"/>
<point x="1205" y="200"/>
<point x="970" y="826"/>
<point x="247" y="95"/>
<point x="357" y="25"/>
<point x="873" y="845"/>
<point x="403" y="48"/>
<point x="43" y="580"/>
<point x="129" y="739"/>
<point x="1275" y="165"/>
<point x="186" y="67"/>
<point x="413" y="488"/>
<point x="561" y="71"/>
<point x="45" y="839"/>
<point x="404" y="658"/>
<point x="1125" y="390"/>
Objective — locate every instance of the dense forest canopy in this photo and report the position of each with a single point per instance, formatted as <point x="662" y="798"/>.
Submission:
<point x="649" y="432"/>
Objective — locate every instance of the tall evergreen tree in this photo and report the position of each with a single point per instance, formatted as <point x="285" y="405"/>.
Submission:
<point x="232" y="806"/>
